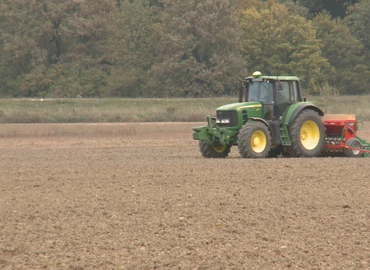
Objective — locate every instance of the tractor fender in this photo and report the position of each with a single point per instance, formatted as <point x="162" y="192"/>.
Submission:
<point x="301" y="107"/>
<point x="261" y="120"/>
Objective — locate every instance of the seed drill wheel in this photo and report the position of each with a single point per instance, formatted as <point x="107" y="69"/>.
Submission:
<point x="354" y="145"/>
<point x="214" y="151"/>
<point x="307" y="134"/>
<point x="254" y="140"/>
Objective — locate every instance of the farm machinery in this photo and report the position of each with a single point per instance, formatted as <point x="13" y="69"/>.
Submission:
<point x="271" y="118"/>
<point x="341" y="136"/>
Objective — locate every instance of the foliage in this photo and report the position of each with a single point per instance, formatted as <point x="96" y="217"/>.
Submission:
<point x="44" y="37"/>
<point x="297" y="9"/>
<point x="175" y="48"/>
<point x="358" y="21"/>
<point x="344" y="52"/>
<point x="134" y="48"/>
<point x="201" y="50"/>
<point x="336" y="8"/>
<point x="288" y="49"/>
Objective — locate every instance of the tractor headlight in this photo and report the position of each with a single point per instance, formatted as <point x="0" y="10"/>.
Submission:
<point x="223" y="121"/>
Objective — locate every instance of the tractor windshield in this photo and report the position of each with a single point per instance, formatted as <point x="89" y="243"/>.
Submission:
<point x="260" y="91"/>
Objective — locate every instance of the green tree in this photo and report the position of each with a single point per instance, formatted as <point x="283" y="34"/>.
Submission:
<point x="336" y="8"/>
<point x="345" y="53"/>
<point x="358" y="20"/>
<point x="295" y="8"/>
<point x="200" y="50"/>
<point x="277" y="42"/>
<point x="43" y="38"/>
<point x="134" y="48"/>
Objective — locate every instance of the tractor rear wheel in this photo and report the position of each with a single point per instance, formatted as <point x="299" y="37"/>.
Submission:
<point x="354" y="145"/>
<point x="254" y="140"/>
<point x="214" y="151"/>
<point x="307" y="134"/>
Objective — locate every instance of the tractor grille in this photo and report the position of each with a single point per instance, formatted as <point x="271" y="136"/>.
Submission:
<point x="227" y="118"/>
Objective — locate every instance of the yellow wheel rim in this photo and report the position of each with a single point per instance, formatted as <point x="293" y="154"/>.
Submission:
<point x="310" y="135"/>
<point x="258" y="141"/>
<point x="219" y="148"/>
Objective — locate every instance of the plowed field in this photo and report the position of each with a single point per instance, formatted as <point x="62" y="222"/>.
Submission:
<point x="140" y="196"/>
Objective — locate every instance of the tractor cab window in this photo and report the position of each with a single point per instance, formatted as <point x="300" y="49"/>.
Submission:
<point x="295" y="91"/>
<point x="261" y="91"/>
<point x="283" y="93"/>
<point x="287" y="92"/>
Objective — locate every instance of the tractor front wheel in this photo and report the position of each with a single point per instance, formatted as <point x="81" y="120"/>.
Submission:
<point x="354" y="148"/>
<point x="213" y="151"/>
<point x="307" y="134"/>
<point x="254" y="140"/>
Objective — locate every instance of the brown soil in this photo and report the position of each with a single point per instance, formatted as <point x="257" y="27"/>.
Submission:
<point x="140" y="196"/>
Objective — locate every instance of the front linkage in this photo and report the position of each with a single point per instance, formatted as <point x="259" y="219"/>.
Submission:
<point x="214" y="135"/>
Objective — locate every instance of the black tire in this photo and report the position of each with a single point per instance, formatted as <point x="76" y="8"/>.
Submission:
<point x="353" y="143"/>
<point x="213" y="151"/>
<point x="254" y="140"/>
<point x="307" y="134"/>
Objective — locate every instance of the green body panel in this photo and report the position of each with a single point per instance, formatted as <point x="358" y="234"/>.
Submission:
<point x="254" y="109"/>
<point x="213" y="134"/>
<point x="284" y="135"/>
<point x="239" y="106"/>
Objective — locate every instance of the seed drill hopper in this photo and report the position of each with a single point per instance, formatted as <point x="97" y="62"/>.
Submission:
<point x="342" y="138"/>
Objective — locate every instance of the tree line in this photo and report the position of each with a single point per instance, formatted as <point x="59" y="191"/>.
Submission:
<point x="176" y="48"/>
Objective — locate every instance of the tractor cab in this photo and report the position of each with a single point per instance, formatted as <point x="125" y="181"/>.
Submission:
<point x="275" y="93"/>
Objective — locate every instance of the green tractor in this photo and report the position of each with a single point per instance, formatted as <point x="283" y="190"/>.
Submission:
<point x="270" y="119"/>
